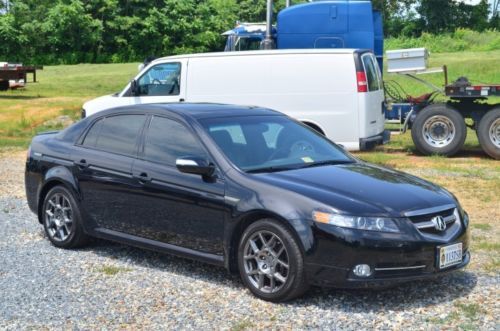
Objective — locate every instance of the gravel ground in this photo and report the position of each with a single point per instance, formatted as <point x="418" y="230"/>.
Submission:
<point x="111" y="286"/>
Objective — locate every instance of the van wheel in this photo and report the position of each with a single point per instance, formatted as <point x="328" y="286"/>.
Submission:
<point x="439" y="129"/>
<point x="62" y="220"/>
<point x="270" y="262"/>
<point x="488" y="133"/>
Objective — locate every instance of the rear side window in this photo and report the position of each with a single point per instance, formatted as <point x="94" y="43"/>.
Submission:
<point x="116" y="134"/>
<point x="372" y="72"/>
<point x="168" y="140"/>
<point x="93" y="134"/>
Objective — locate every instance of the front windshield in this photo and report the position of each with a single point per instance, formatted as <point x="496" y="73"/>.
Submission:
<point x="272" y="143"/>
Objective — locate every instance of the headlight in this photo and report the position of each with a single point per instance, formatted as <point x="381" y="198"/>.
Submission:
<point x="354" y="222"/>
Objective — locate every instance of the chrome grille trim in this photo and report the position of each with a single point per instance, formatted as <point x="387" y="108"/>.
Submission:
<point x="400" y="268"/>
<point x="429" y="210"/>
<point x="429" y="224"/>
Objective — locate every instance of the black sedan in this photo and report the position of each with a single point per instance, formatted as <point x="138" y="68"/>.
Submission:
<point x="246" y="188"/>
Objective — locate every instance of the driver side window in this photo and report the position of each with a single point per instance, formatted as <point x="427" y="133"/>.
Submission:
<point x="161" y="80"/>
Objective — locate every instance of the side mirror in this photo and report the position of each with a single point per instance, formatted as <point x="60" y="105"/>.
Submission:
<point x="134" y="88"/>
<point x="195" y="165"/>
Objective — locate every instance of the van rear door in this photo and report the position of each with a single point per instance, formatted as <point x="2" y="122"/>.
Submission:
<point x="371" y="98"/>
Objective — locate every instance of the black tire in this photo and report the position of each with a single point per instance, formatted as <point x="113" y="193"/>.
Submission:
<point x="295" y="283"/>
<point x="4" y="85"/>
<point x="439" y="129"/>
<point x="488" y="133"/>
<point x="62" y="233"/>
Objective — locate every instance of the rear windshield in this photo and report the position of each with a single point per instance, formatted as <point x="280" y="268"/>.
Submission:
<point x="372" y="72"/>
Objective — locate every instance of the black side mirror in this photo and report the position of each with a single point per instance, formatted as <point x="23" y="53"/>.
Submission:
<point x="134" y="88"/>
<point x="195" y="165"/>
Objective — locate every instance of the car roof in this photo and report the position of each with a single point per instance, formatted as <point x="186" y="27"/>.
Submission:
<point x="196" y="110"/>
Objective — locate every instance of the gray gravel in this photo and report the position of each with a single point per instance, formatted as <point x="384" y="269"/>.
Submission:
<point x="109" y="286"/>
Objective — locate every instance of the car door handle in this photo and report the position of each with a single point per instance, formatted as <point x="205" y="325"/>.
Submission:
<point x="143" y="177"/>
<point x="81" y="164"/>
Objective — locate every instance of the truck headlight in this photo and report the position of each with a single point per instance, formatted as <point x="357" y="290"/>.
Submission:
<point x="380" y="224"/>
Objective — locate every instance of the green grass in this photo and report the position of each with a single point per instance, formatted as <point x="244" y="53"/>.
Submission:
<point x="487" y="246"/>
<point x="109" y="270"/>
<point x="460" y="40"/>
<point x="479" y="67"/>
<point x="482" y="226"/>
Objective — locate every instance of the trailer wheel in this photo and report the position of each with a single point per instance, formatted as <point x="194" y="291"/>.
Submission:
<point x="488" y="133"/>
<point x="439" y="129"/>
<point x="4" y="85"/>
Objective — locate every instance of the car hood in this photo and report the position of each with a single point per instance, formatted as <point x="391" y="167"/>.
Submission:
<point x="362" y="189"/>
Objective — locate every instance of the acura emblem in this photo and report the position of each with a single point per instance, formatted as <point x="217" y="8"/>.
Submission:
<point x="439" y="223"/>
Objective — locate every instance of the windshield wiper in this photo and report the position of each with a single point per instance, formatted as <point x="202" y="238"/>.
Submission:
<point x="268" y="169"/>
<point x="326" y="162"/>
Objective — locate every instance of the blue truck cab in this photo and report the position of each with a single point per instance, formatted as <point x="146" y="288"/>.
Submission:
<point x="317" y="24"/>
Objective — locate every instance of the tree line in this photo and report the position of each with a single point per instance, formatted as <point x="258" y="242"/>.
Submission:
<point x="74" y="31"/>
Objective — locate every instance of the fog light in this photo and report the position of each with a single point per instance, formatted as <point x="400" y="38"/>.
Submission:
<point x="362" y="270"/>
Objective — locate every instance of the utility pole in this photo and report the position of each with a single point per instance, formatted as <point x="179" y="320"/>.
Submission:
<point x="268" y="42"/>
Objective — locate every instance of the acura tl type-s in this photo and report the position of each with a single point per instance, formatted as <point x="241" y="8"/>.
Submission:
<point x="246" y="188"/>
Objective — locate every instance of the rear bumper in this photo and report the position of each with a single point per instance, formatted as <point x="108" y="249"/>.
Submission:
<point x="369" y="143"/>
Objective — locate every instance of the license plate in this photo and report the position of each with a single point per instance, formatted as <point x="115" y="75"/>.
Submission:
<point x="449" y="255"/>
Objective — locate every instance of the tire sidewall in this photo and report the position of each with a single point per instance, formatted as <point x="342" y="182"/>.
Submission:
<point x="276" y="228"/>
<point x="483" y="133"/>
<point x="76" y="224"/>
<point x="442" y="110"/>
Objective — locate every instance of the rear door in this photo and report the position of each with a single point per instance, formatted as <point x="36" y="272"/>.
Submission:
<point x="103" y="167"/>
<point x="371" y="98"/>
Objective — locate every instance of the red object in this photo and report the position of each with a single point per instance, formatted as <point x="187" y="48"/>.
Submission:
<point x="362" y="82"/>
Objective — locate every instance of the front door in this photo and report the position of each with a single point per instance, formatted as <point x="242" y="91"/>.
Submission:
<point x="177" y="208"/>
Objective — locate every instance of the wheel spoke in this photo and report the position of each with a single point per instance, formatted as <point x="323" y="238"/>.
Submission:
<point x="261" y="281"/>
<point x="273" y="283"/>
<point x="279" y="277"/>
<point x="283" y="263"/>
<point x="249" y="257"/>
<point x="254" y="247"/>
<point x="261" y="236"/>
<point x="280" y="251"/>
<point x="49" y="213"/>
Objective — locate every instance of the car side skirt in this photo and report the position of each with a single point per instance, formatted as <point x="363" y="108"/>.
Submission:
<point x="158" y="246"/>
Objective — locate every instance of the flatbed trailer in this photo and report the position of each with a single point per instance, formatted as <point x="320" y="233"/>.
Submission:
<point x="441" y="127"/>
<point x="16" y="73"/>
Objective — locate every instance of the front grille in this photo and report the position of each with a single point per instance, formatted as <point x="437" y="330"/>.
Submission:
<point x="426" y="223"/>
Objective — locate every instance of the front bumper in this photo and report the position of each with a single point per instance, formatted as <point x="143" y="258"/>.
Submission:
<point x="393" y="260"/>
<point x="379" y="139"/>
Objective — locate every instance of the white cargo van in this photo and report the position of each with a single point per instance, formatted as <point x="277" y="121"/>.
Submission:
<point x="337" y="92"/>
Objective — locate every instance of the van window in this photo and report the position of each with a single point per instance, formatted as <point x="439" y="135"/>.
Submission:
<point x="161" y="80"/>
<point x="118" y="134"/>
<point x="372" y="72"/>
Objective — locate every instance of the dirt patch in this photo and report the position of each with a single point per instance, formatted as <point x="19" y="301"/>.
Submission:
<point x="12" y="173"/>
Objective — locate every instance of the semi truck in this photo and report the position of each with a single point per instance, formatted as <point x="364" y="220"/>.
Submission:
<point x="437" y="127"/>
<point x="316" y="24"/>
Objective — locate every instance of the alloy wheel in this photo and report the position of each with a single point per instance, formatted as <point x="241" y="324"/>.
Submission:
<point x="58" y="217"/>
<point x="266" y="261"/>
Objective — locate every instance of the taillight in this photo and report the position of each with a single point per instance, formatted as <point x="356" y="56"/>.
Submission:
<point x="362" y="82"/>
